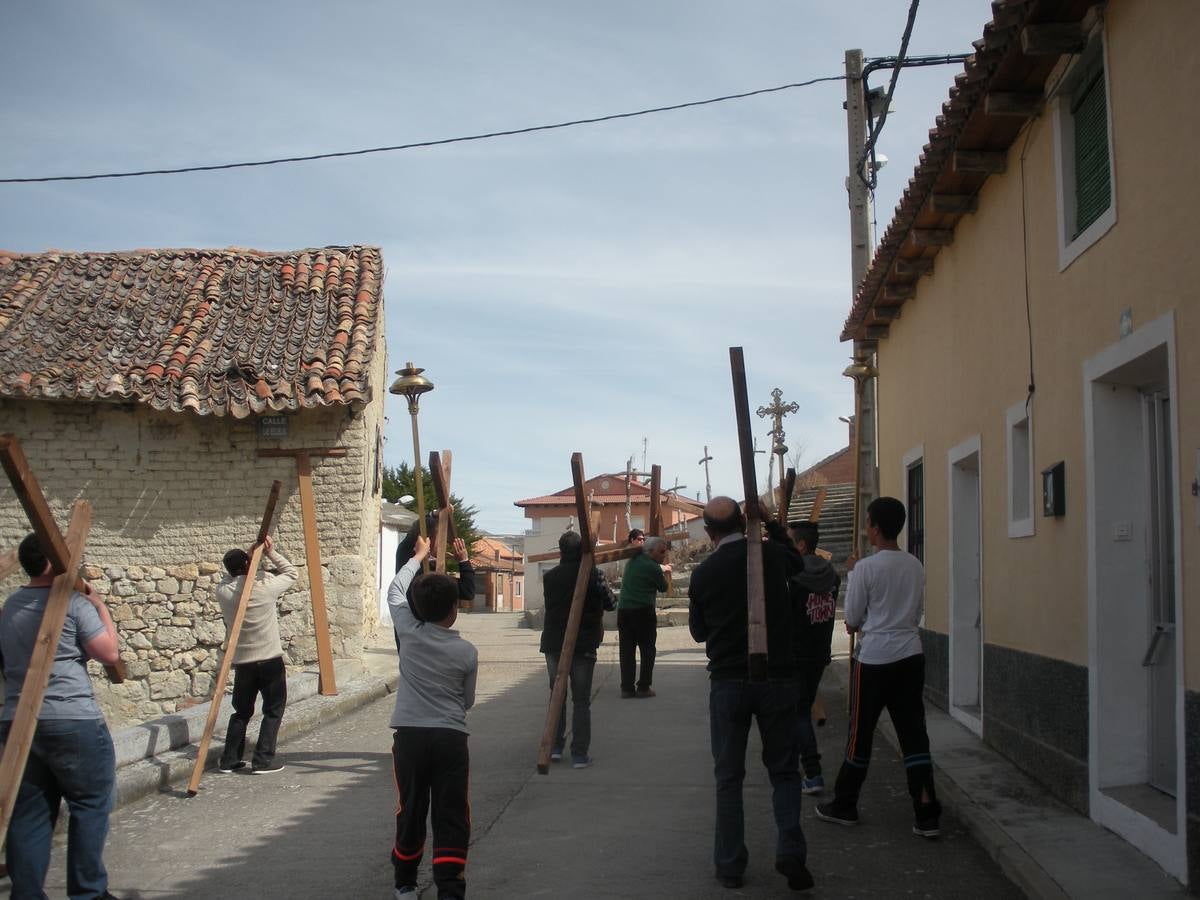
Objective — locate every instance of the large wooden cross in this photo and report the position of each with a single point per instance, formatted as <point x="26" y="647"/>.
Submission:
<point x="326" y="682"/>
<point x="444" y="535"/>
<point x="756" y="607"/>
<point x="235" y="629"/>
<point x="571" y="635"/>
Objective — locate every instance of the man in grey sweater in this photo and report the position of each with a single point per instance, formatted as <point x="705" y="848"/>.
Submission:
<point x="258" y="658"/>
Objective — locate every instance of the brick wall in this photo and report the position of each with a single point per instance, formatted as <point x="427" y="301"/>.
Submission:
<point x="170" y="493"/>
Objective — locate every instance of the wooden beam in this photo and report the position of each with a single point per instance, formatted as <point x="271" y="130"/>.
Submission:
<point x="912" y="268"/>
<point x="953" y="204"/>
<point x="41" y="664"/>
<point x="235" y="629"/>
<point x="932" y="237"/>
<point x="603" y="550"/>
<point x="785" y="494"/>
<point x="885" y="313"/>
<point x="33" y="501"/>
<point x="655" y="524"/>
<point x="877" y="332"/>
<point x="326" y="680"/>
<point x="814" y="514"/>
<point x="1012" y="103"/>
<point x="440" y="465"/>
<point x="896" y="293"/>
<point x="756" y="608"/>
<point x="332" y="452"/>
<point x="983" y="162"/>
<point x="1053" y="39"/>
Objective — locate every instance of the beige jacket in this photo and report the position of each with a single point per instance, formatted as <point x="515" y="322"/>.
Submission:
<point x="259" y="638"/>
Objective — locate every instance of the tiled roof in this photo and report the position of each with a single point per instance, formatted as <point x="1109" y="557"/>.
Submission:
<point x="218" y="332"/>
<point x="945" y="185"/>
<point x="483" y="556"/>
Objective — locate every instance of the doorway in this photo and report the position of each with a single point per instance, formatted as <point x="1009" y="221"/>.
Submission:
<point x="966" y="599"/>
<point x="1136" y="783"/>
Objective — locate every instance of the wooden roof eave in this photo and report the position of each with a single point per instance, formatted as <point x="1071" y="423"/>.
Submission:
<point x="988" y="106"/>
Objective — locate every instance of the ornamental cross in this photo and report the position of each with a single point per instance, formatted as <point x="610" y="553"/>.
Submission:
<point x="777" y="410"/>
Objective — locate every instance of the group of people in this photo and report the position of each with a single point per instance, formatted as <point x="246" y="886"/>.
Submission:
<point x="884" y="599"/>
<point x="438" y="671"/>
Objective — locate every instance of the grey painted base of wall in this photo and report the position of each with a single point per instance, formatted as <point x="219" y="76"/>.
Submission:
<point x="937" y="667"/>
<point x="1043" y="731"/>
<point x="1191" y="713"/>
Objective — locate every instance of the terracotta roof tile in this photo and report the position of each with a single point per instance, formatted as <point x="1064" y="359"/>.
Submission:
<point x="217" y="332"/>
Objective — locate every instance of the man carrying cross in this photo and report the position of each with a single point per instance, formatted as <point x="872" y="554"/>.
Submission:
<point x="72" y="754"/>
<point x="718" y="616"/>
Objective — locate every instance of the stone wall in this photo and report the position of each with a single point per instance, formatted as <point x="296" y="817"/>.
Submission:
<point x="170" y="494"/>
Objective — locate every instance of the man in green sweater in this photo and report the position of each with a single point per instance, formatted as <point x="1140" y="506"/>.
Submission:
<point x="637" y="618"/>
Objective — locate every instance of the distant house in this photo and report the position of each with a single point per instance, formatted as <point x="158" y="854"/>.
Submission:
<point x="1033" y="308"/>
<point x="145" y="382"/>
<point x="552" y="514"/>
<point x="499" y="576"/>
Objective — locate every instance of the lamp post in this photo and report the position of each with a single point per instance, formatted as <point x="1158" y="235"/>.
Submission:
<point x="864" y="483"/>
<point x="411" y="385"/>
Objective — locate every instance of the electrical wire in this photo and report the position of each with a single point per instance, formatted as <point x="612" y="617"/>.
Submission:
<point x="873" y="128"/>
<point x="419" y="144"/>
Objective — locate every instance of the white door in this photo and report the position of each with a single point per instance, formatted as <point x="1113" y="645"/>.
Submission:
<point x="966" y="609"/>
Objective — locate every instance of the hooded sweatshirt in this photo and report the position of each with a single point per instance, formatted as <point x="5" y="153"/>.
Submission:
<point x="814" y="591"/>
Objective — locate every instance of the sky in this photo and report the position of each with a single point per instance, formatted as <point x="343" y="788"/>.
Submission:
<point x="570" y="290"/>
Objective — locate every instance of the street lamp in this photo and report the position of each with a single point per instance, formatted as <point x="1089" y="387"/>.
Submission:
<point x="411" y="385"/>
<point x="862" y="372"/>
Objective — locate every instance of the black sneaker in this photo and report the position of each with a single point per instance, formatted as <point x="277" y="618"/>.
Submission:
<point x="797" y="874"/>
<point x="926" y="828"/>
<point x="828" y="812"/>
<point x="643" y="693"/>
<point x="730" y="881"/>
<point x="627" y="695"/>
<point x="232" y="767"/>
<point x="269" y="769"/>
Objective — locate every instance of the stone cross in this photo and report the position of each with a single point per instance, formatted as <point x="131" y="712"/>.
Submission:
<point x="777" y="410"/>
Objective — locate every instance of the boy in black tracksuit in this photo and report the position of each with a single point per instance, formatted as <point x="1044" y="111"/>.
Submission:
<point x="814" y="594"/>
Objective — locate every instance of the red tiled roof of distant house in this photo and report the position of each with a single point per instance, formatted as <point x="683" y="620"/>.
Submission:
<point x="215" y="332"/>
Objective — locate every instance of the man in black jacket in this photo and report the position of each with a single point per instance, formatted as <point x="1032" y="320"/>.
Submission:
<point x="558" y="588"/>
<point x="718" y="616"/>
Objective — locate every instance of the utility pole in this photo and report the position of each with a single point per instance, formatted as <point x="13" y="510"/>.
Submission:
<point x="862" y="370"/>
<point x="707" y="484"/>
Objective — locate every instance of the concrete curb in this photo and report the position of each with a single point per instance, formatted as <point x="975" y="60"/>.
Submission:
<point x="156" y="772"/>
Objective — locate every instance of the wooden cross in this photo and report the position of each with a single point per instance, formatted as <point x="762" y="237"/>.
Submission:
<point x="440" y="540"/>
<point x="235" y="629"/>
<point x="571" y="635"/>
<point x="756" y="607"/>
<point x="33" y="501"/>
<point x="786" y="488"/>
<point x="326" y="683"/>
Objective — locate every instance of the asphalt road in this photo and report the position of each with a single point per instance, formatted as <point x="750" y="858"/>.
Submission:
<point x="637" y="824"/>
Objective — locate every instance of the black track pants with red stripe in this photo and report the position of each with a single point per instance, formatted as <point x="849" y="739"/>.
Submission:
<point x="897" y="687"/>
<point x="432" y="768"/>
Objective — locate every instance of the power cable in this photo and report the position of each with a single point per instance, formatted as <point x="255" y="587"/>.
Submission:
<point x="873" y="129"/>
<point x="433" y="143"/>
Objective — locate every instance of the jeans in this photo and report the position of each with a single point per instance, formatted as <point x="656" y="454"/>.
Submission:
<point x="582" y="667"/>
<point x="269" y="678"/>
<point x="806" y="694"/>
<point x="732" y="703"/>
<point x="70" y="759"/>
<point x="637" y="630"/>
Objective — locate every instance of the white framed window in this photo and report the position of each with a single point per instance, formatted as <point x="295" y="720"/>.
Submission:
<point x="1018" y="421"/>
<point x="1083" y="150"/>
<point x="912" y="537"/>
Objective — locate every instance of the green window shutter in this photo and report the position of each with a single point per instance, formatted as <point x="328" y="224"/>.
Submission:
<point x="1093" y="177"/>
